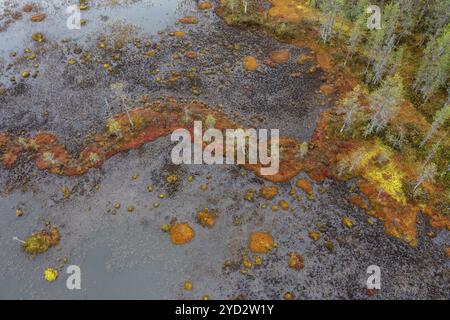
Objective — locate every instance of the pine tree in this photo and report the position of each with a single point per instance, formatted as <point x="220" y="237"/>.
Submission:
<point x="384" y="103"/>
<point x="433" y="71"/>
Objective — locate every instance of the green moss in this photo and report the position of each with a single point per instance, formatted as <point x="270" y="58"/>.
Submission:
<point x="41" y="241"/>
<point x="36" y="244"/>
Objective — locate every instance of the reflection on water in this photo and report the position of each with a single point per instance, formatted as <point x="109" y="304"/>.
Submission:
<point x="148" y="16"/>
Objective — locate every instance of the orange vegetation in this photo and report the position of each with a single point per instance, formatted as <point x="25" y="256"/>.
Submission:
<point x="181" y="233"/>
<point x="261" y="242"/>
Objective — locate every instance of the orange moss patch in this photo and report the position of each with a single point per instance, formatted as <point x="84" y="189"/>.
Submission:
<point x="191" y="54"/>
<point x="447" y="251"/>
<point x="269" y="193"/>
<point x="289" y="166"/>
<point x="188" y="20"/>
<point x="250" y="63"/>
<point x="305" y="185"/>
<point x="179" y="34"/>
<point x="326" y="89"/>
<point x="261" y="242"/>
<point x="38" y="17"/>
<point x="284" y="205"/>
<point x="181" y="233"/>
<point x="206" y="218"/>
<point x="356" y="200"/>
<point x="285" y="10"/>
<point x="295" y="261"/>
<point x="205" y="5"/>
<point x="280" y="56"/>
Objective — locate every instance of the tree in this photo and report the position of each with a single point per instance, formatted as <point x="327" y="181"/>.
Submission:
<point x="350" y="107"/>
<point x="357" y="33"/>
<point x="331" y="8"/>
<point x="433" y="71"/>
<point x="428" y="173"/>
<point x="440" y="118"/>
<point x="435" y="17"/>
<point x="385" y="42"/>
<point x="384" y="103"/>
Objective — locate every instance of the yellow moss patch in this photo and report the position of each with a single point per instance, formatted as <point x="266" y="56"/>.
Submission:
<point x="284" y="205"/>
<point x="347" y="222"/>
<point x="314" y="235"/>
<point x="50" y="274"/>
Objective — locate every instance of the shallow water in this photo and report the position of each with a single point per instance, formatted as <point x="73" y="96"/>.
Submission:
<point x="148" y="16"/>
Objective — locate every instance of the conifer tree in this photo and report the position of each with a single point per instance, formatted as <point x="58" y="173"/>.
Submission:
<point x="384" y="103"/>
<point x="434" y="69"/>
<point x="440" y="118"/>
